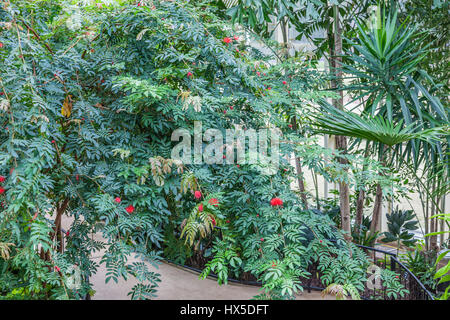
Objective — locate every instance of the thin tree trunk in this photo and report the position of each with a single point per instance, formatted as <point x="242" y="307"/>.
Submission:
<point x="375" y="224"/>
<point x="442" y="224"/>
<point x="433" y="222"/>
<point x="298" y="165"/>
<point x="361" y="198"/>
<point x="359" y="209"/>
<point x="376" y="214"/>
<point x="298" y="168"/>
<point x="341" y="141"/>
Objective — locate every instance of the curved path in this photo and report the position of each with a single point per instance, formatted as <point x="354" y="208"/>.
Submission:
<point x="180" y="284"/>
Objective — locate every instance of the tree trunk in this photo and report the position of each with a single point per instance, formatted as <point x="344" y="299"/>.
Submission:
<point x="341" y="141"/>
<point x="375" y="225"/>
<point x="361" y="197"/>
<point x="359" y="209"/>
<point x="298" y="166"/>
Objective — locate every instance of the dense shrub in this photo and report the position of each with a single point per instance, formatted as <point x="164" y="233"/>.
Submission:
<point x="90" y="99"/>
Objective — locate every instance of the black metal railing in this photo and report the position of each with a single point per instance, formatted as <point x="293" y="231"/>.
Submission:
<point x="382" y="259"/>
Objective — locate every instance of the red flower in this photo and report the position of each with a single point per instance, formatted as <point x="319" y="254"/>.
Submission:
<point x="276" y="202"/>
<point x="53" y="141"/>
<point x="226" y="40"/>
<point x="290" y="125"/>
<point x="57" y="269"/>
<point x="228" y="221"/>
<point x="262" y="239"/>
<point x="1" y="93"/>
<point x="2" y="190"/>
<point x="236" y="38"/>
<point x="117" y="199"/>
<point x="129" y="209"/>
<point x="231" y="107"/>
<point x="224" y="111"/>
<point x="67" y="233"/>
<point x="213" y="220"/>
<point x="213" y="201"/>
<point x="273" y="265"/>
<point x="257" y="215"/>
<point x="284" y="82"/>
<point x="320" y="241"/>
<point x="190" y="74"/>
<point x="269" y="88"/>
<point x="1" y="45"/>
<point x="258" y="73"/>
<point x="2" y="179"/>
<point x="224" y="156"/>
<point x="200" y="207"/>
<point x="197" y="195"/>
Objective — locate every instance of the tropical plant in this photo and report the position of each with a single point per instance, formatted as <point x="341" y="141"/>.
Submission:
<point x="400" y="223"/>
<point x="443" y="273"/>
<point x="384" y="65"/>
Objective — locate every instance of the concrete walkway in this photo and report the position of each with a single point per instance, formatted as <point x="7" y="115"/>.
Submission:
<point x="176" y="283"/>
<point x="180" y="284"/>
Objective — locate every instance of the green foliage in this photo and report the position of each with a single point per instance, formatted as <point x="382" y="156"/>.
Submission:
<point x="422" y="264"/>
<point x="442" y="273"/>
<point x="399" y="223"/>
<point x="91" y="98"/>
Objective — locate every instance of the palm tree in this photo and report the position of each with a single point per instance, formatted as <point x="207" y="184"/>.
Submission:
<point x="374" y="129"/>
<point x="386" y="78"/>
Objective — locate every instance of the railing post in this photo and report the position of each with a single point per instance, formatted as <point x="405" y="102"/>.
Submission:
<point x="393" y="265"/>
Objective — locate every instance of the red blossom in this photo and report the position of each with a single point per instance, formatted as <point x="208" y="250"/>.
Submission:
<point x="276" y="202"/>
<point x="213" y="220"/>
<point x="2" y="179"/>
<point x="2" y="190"/>
<point x="213" y="201"/>
<point x="57" y="269"/>
<point x="262" y="239"/>
<point x="228" y="221"/>
<point x="236" y="38"/>
<point x="200" y="207"/>
<point x="129" y="209"/>
<point x="197" y="195"/>
<point x="226" y="40"/>
<point x="117" y="199"/>
<point x="1" y="45"/>
<point x="189" y="74"/>
<point x="284" y="82"/>
<point x="258" y="73"/>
